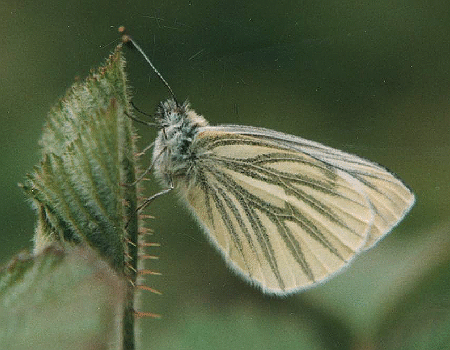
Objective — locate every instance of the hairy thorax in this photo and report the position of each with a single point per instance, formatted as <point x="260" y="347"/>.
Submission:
<point x="173" y="154"/>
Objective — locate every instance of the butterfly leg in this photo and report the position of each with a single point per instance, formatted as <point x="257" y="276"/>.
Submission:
<point x="150" y="167"/>
<point x="145" y="149"/>
<point x="132" y="117"/>
<point x="143" y="113"/>
<point x="156" y="195"/>
<point x="151" y="198"/>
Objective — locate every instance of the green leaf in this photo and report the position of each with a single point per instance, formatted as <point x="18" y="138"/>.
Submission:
<point x="60" y="299"/>
<point x="81" y="189"/>
<point x="87" y="152"/>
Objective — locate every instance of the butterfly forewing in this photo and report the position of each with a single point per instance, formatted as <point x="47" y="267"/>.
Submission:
<point x="389" y="198"/>
<point x="283" y="217"/>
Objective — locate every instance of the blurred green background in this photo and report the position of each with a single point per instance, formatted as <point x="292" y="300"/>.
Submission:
<point x="367" y="77"/>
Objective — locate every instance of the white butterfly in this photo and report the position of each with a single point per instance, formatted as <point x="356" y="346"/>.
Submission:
<point x="286" y="213"/>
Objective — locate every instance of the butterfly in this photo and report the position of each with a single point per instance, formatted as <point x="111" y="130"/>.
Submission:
<point x="285" y="213"/>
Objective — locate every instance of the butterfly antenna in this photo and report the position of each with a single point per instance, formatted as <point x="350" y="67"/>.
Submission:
<point x="127" y="39"/>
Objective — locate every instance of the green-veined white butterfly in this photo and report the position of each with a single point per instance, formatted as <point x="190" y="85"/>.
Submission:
<point x="286" y="213"/>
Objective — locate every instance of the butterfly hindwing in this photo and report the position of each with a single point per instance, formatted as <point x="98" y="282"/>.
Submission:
<point x="286" y="212"/>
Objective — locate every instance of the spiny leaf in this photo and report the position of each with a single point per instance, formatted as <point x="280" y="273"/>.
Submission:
<point x="87" y="152"/>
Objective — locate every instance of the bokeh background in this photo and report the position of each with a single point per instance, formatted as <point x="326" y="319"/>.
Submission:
<point x="368" y="77"/>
